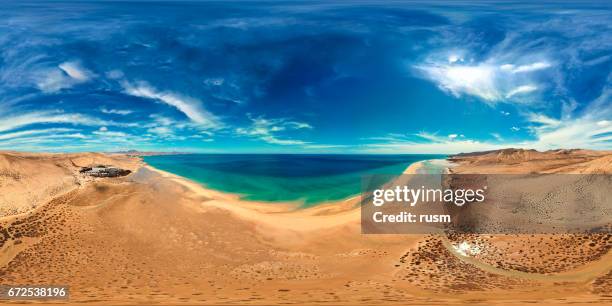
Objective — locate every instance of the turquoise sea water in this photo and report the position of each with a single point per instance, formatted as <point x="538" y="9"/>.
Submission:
<point x="309" y="179"/>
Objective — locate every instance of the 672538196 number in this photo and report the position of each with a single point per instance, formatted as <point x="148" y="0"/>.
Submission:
<point x="33" y="292"/>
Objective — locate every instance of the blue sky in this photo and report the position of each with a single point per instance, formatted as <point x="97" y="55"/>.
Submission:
<point x="310" y="77"/>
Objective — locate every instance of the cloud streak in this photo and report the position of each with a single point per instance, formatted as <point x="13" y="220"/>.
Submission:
<point x="21" y="134"/>
<point x="267" y="130"/>
<point x="9" y="123"/>
<point x="592" y="128"/>
<point x="122" y="112"/>
<point x="191" y="107"/>
<point x="489" y="81"/>
<point x="65" y="75"/>
<point x="427" y="142"/>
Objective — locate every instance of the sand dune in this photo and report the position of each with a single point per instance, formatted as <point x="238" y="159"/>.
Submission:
<point x="152" y="237"/>
<point x="29" y="180"/>
<point x="532" y="161"/>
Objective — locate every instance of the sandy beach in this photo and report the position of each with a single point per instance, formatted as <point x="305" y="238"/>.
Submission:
<point x="156" y="238"/>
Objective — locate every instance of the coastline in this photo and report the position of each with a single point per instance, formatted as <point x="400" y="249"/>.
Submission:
<point x="200" y="188"/>
<point x="300" y="180"/>
<point x="284" y="215"/>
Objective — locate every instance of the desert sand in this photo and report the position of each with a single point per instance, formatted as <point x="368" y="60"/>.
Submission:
<point x="532" y="161"/>
<point x="154" y="238"/>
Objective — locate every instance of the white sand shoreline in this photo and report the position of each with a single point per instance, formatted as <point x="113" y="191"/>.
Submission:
<point x="280" y="215"/>
<point x="202" y="189"/>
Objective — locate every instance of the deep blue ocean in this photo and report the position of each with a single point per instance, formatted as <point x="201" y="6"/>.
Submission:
<point x="307" y="179"/>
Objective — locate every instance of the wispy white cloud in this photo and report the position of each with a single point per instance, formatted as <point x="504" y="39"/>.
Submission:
<point x="65" y="75"/>
<point x="214" y="81"/>
<point x="329" y="147"/>
<point x="76" y="71"/>
<point x="8" y="123"/>
<point x="54" y="140"/>
<point x="433" y="137"/>
<point x="122" y="112"/>
<point x="490" y="80"/>
<point x="53" y="80"/>
<point x="576" y="133"/>
<point x="544" y="121"/>
<point x="424" y="142"/>
<point x="107" y="133"/>
<point x="163" y="131"/>
<point x="267" y="129"/>
<point x="164" y="127"/>
<point x="477" y="80"/>
<point x="228" y="88"/>
<point x="525" y="68"/>
<point x="168" y="129"/>
<point x="584" y="132"/>
<point x="523" y="89"/>
<point x="21" y="134"/>
<point x="590" y="128"/>
<point x="603" y="123"/>
<point x="66" y="137"/>
<point x="160" y="120"/>
<point x="191" y="107"/>
<point x="274" y="140"/>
